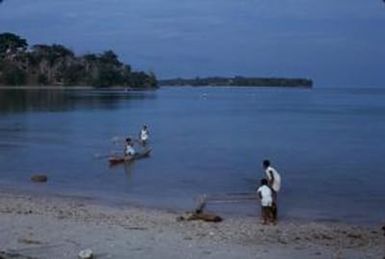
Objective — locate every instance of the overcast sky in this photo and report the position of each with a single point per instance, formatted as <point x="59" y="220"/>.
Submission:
<point x="334" y="42"/>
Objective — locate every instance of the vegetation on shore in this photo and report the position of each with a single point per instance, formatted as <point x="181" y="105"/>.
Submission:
<point x="239" y="81"/>
<point x="55" y="64"/>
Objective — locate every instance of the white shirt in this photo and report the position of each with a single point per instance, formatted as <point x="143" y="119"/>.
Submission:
<point x="144" y="134"/>
<point x="270" y="171"/>
<point x="266" y="195"/>
<point x="130" y="151"/>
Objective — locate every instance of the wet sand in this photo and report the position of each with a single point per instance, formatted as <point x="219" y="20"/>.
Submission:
<point x="37" y="226"/>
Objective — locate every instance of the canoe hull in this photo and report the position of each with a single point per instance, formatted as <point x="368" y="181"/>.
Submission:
<point x="115" y="160"/>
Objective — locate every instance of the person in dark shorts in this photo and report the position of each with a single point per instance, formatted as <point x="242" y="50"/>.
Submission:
<point x="274" y="182"/>
<point x="265" y="194"/>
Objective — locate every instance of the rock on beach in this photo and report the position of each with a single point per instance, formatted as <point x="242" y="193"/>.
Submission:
<point x="39" y="178"/>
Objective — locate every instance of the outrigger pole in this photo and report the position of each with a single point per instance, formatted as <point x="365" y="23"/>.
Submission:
<point x="204" y="199"/>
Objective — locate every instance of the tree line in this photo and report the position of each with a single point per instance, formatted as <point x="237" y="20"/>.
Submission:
<point x="40" y="64"/>
<point x="239" y="81"/>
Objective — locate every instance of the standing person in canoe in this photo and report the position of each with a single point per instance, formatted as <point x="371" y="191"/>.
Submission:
<point x="274" y="182"/>
<point x="144" y="135"/>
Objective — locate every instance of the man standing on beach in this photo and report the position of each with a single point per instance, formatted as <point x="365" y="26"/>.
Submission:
<point x="274" y="182"/>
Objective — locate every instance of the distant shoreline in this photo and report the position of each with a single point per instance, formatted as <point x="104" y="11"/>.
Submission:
<point x="44" y="87"/>
<point x="33" y="87"/>
<point x="239" y="81"/>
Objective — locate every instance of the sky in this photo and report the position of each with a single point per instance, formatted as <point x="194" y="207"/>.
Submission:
<point x="334" y="42"/>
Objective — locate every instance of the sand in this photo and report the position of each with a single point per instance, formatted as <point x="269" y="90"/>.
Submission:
<point x="38" y="226"/>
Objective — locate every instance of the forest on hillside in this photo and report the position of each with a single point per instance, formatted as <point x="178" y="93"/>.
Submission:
<point x="56" y="65"/>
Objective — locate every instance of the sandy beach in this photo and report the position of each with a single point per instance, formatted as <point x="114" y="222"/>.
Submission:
<point x="38" y="226"/>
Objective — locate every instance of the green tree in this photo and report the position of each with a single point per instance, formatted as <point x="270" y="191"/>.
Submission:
<point x="12" y="75"/>
<point x="12" y="42"/>
<point x="58" y="65"/>
<point x="108" y="76"/>
<point x="52" y="53"/>
<point x="151" y="80"/>
<point x="109" y="57"/>
<point x="42" y="79"/>
<point x="73" y="74"/>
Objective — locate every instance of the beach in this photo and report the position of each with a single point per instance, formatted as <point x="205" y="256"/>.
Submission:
<point x="48" y="226"/>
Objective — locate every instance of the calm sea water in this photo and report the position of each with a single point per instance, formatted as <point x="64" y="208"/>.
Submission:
<point x="328" y="145"/>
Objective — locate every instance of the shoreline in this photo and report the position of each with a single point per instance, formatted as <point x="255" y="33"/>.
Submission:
<point x="42" y="226"/>
<point x="227" y="209"/>
<point x="72" y="88"/>
<point x="47" y="87"/>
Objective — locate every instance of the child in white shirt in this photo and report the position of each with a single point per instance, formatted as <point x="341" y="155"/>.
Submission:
<point x="129" y="148"/>
<point x="266" y="196"/>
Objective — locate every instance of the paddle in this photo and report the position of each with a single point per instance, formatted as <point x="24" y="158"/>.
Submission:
<point x="122" y="140"/>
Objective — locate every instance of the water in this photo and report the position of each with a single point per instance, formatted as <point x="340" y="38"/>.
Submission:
<point x="328" y="145"/>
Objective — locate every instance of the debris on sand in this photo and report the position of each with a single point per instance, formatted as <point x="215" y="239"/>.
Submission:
<point x="198" y="213"/>
<point x="208" y="217"/>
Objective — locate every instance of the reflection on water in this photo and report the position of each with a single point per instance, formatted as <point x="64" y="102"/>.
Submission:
<point x="20" y="100"/>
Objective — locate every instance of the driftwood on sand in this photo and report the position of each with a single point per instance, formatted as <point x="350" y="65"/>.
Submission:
<point x="208" y="217"/>
<point x="204" y="199"/>
<point x="198" y="213"/>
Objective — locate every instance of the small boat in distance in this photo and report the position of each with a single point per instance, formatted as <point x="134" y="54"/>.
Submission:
<point x="115" y="160"/>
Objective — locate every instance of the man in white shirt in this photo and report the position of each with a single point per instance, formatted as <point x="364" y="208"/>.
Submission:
<point x="266" y="196"/>
<point x="144" y="135"/>
<point x="274" y="182"/>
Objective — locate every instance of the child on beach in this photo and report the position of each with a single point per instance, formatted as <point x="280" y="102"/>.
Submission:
<point x="274" y="182"/>
<point x="266" y="196"/>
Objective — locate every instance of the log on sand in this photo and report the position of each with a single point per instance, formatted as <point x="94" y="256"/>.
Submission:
<point x="198" y="213"/>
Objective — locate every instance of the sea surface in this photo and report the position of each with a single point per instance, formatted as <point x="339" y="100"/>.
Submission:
<point x="328" y="145"/>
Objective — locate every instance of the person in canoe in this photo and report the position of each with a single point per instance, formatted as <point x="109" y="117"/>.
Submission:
<point x="144" y="135"/>
<point x="129" y="154"/>
<point x="129" y="150"/>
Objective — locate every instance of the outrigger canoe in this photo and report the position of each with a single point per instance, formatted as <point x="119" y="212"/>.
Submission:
<point x="114" y="160"/>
